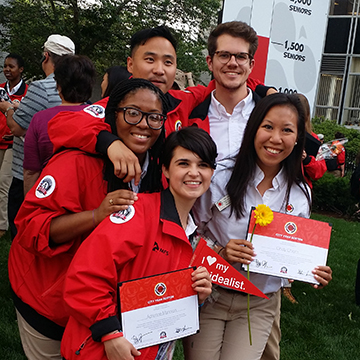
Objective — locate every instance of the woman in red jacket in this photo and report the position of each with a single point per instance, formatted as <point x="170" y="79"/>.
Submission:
<point x="74" y="193"/>
<point x="14" y="89"/>
<point x="128" y="251"/>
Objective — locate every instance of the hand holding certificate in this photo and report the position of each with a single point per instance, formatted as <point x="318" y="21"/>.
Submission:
<point x="159" y="308"/>
<point x="290" y="247"/>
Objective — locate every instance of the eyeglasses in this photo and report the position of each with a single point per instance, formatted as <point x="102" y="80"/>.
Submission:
<point x="241" y="58"/>
<point x="134" y="116"/>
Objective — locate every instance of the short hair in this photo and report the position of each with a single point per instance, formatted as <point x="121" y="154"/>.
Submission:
<point x="75" y="75"/>
<point x="140" y="37"/>
<point x="236" y="29"/>
<point x="246" y="159"/>
<point x="17" y="57"/>
<point x="116" y="74"/>
<point x="194" y="139"/>
<point x="152" y="180"/>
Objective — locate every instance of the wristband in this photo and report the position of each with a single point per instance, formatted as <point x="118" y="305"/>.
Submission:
<point x="93" y="218"/>
<point x="112" y="336"/>
<point x="9" y="108"/>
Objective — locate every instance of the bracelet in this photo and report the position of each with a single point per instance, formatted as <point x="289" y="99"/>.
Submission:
<point x="93" y="218"/>
<point x="223" y="248"/>
<point x="9" y="108"/>
<point x="112" y="336"/>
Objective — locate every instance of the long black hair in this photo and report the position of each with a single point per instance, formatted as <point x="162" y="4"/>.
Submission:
<point x="152" y="181"/>
<point x="246" y="160"/>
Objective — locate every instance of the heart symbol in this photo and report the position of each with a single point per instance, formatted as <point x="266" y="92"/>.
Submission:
<point x="210" y="260"/>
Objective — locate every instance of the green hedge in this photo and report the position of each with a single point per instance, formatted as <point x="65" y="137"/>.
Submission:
<point x="333" y="194"/>
<point x="330" y="193"/>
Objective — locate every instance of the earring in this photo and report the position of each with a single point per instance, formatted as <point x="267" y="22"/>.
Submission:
<point x="295" y="143"/>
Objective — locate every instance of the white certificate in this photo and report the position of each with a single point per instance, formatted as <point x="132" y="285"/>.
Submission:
<point x="159" y="308"/>
<point x="289" y="247"/>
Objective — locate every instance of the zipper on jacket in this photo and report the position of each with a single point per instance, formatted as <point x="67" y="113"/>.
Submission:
<point x="77" y="352"/>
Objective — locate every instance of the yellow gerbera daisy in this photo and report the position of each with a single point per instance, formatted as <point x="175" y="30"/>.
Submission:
<point x="263" y="215"/>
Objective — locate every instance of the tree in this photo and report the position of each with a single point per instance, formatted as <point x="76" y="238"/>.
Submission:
<point x="102" y="29"/>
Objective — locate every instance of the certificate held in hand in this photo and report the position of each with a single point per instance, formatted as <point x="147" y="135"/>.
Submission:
<point x="158" y="309"/>
<point x="290" y="247"/>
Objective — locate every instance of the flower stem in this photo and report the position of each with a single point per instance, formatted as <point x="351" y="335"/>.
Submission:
<point x="248" y="295"/>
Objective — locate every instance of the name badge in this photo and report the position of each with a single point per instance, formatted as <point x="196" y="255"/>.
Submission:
<point x="223" y="203"/>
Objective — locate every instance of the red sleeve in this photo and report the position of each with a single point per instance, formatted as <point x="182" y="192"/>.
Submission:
<point x="315" y="169"/>
<point x="78" y="129"/>
<point x="94" y="271"/>
<point x="341" y="157"/>
<point x="253" y="83"/>
<point x="74" y="178"/>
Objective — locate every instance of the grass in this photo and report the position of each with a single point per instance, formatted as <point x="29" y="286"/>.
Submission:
<point x="324" y="325"/>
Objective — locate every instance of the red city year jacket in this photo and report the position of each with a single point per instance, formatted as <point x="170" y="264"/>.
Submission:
<point x="71" y="182"/>
<point x="152" y="241"/>
<point x="4" y="129"/>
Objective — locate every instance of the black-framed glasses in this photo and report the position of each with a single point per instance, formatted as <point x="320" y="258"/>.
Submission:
<point x="134" y="116"/>
<point x="241" y="58"/>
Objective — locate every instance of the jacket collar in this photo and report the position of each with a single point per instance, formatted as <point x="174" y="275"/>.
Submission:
<point x="201" y="111"/>
<point x="172" y="102"/>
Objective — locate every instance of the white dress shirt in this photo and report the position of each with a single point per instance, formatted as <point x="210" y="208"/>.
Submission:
<point x="227" y="130"/>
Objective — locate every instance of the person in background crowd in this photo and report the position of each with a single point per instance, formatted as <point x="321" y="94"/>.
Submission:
<point x="41" y="95"/>
<point x="14" y="89"/>
<point x="75" y="78"/>
<point x="113" y="75"/>
<point x="313" y="169"/>
<point x="267" y="170"/>
<point x="188" y="164"/>
<point x="336" y="165"/>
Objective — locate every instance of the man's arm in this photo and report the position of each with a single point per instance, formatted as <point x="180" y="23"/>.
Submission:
<point x="30" y="178"/>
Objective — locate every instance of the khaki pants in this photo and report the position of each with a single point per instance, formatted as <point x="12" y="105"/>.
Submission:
<point x="5" y="182"/>
<point x="224" y="328"/>
<point x="37" y="346"/>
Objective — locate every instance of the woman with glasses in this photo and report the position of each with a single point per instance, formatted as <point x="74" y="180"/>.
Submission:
<point x="74" y="193"/>
<point x="148" y="238"/>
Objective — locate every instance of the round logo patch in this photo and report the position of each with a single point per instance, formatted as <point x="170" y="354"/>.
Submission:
<point x="123" y="216"/>
<point x="290" y="227"/>
<point x="45" y="187"/>
<point x="290" y="208"/>
<point x="178" y="125"/>
<point x="95" y="110"/>
<point x="160" y="289"/>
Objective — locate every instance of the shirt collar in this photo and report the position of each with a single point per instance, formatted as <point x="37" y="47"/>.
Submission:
<point x="14" y="89"/>
<point x="245" y="107"/>
<point x="278" y="181"/>
<point x="190" y="227"/>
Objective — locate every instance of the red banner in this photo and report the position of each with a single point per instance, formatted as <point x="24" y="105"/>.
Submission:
<point x="221" y="272"/>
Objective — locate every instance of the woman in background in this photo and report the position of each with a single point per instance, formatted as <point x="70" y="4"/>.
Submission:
<point x="13" y="89"/>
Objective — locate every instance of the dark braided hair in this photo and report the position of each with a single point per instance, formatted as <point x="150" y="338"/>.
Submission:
<point x="152" y="181"/>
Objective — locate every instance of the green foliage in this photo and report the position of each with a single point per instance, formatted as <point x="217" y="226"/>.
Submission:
<point x="329" y="128"/>
<point x="333" y="194"/>
<point x="102" y="29"/>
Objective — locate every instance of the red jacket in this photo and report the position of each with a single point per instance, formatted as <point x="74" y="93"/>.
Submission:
<point x="81" y="131"/>
<point x="71" y="182"/>
<point x="151" y="242"/>
<point x="4" y="130"/>
<point x="314" y="169"/>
